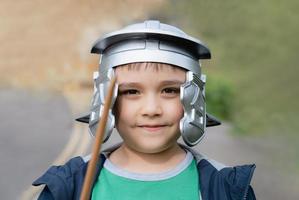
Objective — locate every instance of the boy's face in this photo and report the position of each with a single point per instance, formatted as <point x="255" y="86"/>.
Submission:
<point x="148" y="108"/>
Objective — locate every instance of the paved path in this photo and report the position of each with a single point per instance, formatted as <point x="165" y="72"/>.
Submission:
<point x="34" y="128"/>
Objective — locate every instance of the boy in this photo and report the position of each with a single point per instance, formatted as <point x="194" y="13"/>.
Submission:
<point x="159" y="97"/>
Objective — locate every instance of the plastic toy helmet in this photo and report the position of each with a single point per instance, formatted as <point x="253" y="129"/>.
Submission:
<point x="152" y="41"/>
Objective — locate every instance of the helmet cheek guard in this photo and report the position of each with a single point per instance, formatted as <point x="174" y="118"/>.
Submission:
<point x="101" y="84"/>
<point x="192" y="125"/>
<point x="153" y="41"/>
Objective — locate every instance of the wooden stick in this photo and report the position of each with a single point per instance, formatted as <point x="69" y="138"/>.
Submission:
<point x="91" y="168"/>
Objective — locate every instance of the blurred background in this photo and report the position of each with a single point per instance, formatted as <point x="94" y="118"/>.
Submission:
<point x="252" y="83"/>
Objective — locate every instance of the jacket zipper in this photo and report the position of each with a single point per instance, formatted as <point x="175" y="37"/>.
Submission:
<point x="246" y="194"/>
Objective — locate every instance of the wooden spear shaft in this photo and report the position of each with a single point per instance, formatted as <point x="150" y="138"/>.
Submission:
<point x="91" y="168"/>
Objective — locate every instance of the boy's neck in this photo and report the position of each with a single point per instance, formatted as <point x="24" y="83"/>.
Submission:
<point x="138" y="162"/>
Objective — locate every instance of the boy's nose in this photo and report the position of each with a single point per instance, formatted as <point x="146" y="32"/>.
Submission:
<point x="151" y="106"/>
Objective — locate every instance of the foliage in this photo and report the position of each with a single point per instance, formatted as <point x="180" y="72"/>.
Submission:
<point x="219" y="98"/>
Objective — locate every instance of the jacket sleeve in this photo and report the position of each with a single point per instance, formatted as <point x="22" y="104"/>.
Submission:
<point x="46" y="194"/>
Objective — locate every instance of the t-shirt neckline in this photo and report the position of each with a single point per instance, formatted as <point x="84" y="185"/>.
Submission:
<point x="108" y="165"/>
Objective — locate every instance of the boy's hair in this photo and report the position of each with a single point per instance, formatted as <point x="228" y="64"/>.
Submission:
<point x="154" y="44"/>
<point x="145" y="65"/>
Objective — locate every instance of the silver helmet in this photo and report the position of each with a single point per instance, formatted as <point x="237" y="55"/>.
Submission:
<point x="152" y="41"/>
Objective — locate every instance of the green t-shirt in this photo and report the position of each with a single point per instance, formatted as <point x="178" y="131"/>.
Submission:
<point x="180" y="183"/>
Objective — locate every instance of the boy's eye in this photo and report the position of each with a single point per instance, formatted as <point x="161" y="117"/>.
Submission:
<point x="171" y="90"/>
<point x="129" y="92"/>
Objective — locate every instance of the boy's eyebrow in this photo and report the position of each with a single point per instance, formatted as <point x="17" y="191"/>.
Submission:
<point x="136" y="84"/>
<point x="129" y="84"/>
<point x="172" y="82"/>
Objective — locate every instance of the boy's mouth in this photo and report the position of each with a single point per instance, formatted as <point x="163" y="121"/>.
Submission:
<point x="155" y="127"/>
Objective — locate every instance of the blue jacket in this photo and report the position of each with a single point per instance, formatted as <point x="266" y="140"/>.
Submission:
<point x="217" y="182"/>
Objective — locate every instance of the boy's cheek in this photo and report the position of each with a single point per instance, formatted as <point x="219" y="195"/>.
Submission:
<point x="175" y="109"/>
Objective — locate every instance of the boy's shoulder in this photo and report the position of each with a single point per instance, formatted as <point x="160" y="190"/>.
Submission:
<point x="218" y="179"/>
<point x="65" y="181"/>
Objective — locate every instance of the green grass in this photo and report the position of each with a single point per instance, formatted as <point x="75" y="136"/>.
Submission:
<point x="255" y="49"/>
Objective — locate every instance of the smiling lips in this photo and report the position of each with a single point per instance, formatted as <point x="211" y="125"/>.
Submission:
<point x="152" y="127"/>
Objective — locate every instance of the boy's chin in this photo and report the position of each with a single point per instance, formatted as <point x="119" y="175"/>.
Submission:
<point x="151" y="148"/>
